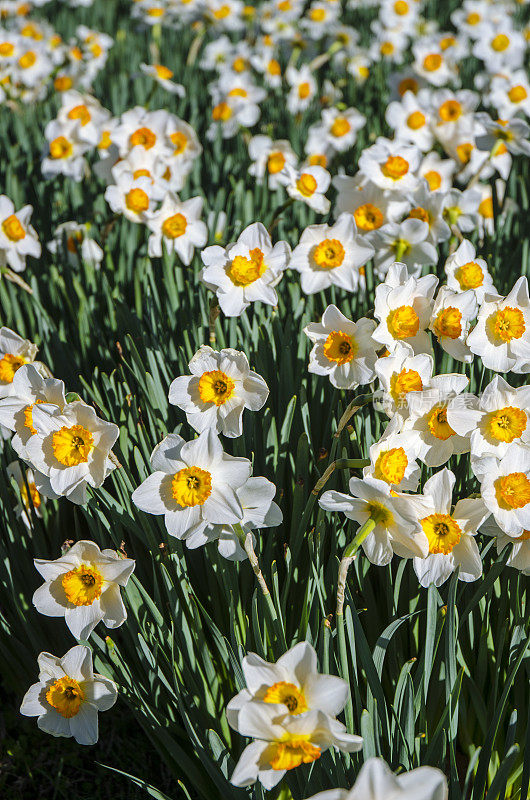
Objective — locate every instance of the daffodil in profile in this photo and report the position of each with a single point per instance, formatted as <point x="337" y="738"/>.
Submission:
<point x="68" y="696"/>
<point x="14" y="353"/>
<point x="83" y="586"/>
<point x="505" y="488"/>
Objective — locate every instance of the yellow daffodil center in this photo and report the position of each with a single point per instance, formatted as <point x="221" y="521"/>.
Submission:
<point x="432" y="62"/>
<point x="72" y="446"/>
<point x="222" y="112"/>
<point x="174" y="226"/>
<point x="6" y="49"/>
<point x="464" y="151"/>
<point x="27" y="60"/>
<point x="416" y="120"/>
<point x="401" y="8"/>
<point x="222" y="12"/>
<point x="438" y="425"/>
<point x="82" y="585"/>
<point x="318" y="160"/>
<point x="329" y="254"/>
<point x="13" y="229"/>
<point x="275" y="162"/>
<point x="244" y="271"/>
<point x="420" y="213"/>
<point x="340" y="127"/>
<point x="66" y="696"/>
<point x="33" y="493"/>
<point x="216" y="387"/>
<point x="288" y="695"/>
<point x="61" y="148"/>
<point x="408" y="380"/>
<point x="469" y="276"/>
<point x="500" y="42"/>
<point x="391" y="465"/>
<point x="379" y="513"/>
<point x="387" y="48"/>
<point x="339" y="347"/>
<point x="447" y="42"/>
<point x="180" y="140"/>
<point x="137" y="200"/>
<point x="9" y="365"/>
<point x="434" y="179"/>
<point x="143" y="137"/>
<point x="273" y="67"/>
<point x="80" y="113"/>
<point x="162" y="72"/>
<point x="448" y="323"/>
<point x="239" y="65"/>
<point x="403" y="322"/>
<point x="485" y="208"/>
<point x="524" y="537"/>
<point x="442" y="531"/>
<point x="238" y="92"/>
<point x="507" y="324"/>
<point x="408" y="85"/>
<point x="517" y="94"/>
<point x="28" y="417"/>
<point x="306" y="184"/>
<point x="506" y="424"/>
<point x="512" y="491"/>
<point x="292" y="751"/>
<point x="368" y="217"/>
<point x="191" y="486"/>
<point x="317" y="14"/>
<point x="105" y="141"/>
<point x="450" y="111"/>
<point x="473" y="19"/>
<point x="304" y="90"/>
<point x="395" y="167"/>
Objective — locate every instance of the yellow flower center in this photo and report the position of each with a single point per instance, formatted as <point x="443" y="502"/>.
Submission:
<point x="318" y="160"/>
<point x="137" y="200"/>
<point x="434" y="179"/>
<point x="244" y="271"/>
<point x="81" y="113"/>
<point x="507" y="324"/>
<point x="27" y="60"/>
<point x="72" y="243"/>
<point x="438" y="425"/>
<point x="432" y="62"/>
<point x="391" y="465"/>
<point x="340" y="127"/>
<point x="273" y="67"/>
<point x="317" y="14"/>
<point x="162" y="72"/>
<point x="105" y="141"/>
<point x="452" y="214"/>
<point x="222" y="12"/>
<point x="293" y="751"/>
<point x="403" y="322"/>
<point x="524" y="537"/>
<point x="368" y="217"/>
<point x="9" y="365"/>
<point x="387" y="48"/>
<point x="6" y="49"/>
<point x="157" y="11"/>
<point x="339" y="347"/>
<point x="143" y="137"/>
<point x="517" y="94"/>
<point x="379" y="513"/>
<point x="512" y="491"/>
<point x="222" y="112"/>
<point x="28" y="417"/>
<point x="180" y="140"/>
<point x="306" y="184"/>
<point x="395" y="167"/>
<point x="442" y="531"/>
<point x="61" y="148"/>
<point x="420" y="213"/>
<point x="304" y="90"/>
<point x="216" y="387"/>
<point x="275" y="162"/>
<point x="447" y="42"/>
<point x="416" y="120"/>
<point x="82" y="585"/>
<point x="473" y="18"/>
<point x="408" y="380"/>
<point x="174" y="226"/>
<point x="500" y="43"/>
<point x="464" y="151"/>
<point x="13" y="229"/>
<point x="448" y="323"/>
<point x="76" y="53"/>
<point x="506" y="424"/>
<point x="408" y="85"/>
<point x="329" y="254"/>
<point x="33" y="493"/>
<point x="191" y="486"/>
<point x="66" y="696"/>
<point x="485" y="208"/>
<point x="238" y="92"/>
<point x="288" y="695"/>
<point x="469" y="276"/>
<point x="401" y="8"/>
<point x="450" y="111"/>
<point x="72" y="446"/>
<point x="239" y="65"/>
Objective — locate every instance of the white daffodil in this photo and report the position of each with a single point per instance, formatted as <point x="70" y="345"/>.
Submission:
<point x="407" y="242"/>
<point x="376" y="781"/>
<point x="410" y="120"/>
<point x="83" y="586"/>
<point x="505" y="489"/>
<point x="451" y="319"/>
<point x="259" y="511"/>
<point x="460" y="209"/>
<point x="14" y="353"/>
<point x="437" y="171"/>
<point x="465" y="271"/>
<point x="393" y="458"/>
<point x="30" y="498"/>
<point x="220" y="387"/>
<point x="501" y="336"/>
<point x="400" y="373"/>
<point x="68" y="696"/>
<point x="269" y="158"/>
<point x="71" y="448"/>
<point x="338" y="129"/>
<point x="331" y="255"/>
<point x="245" y="271"/>
<point x="194" y="486"/>
<point x="403" y="306"/>
<point x="74" y="240"/>
<point x="512" y="135"/>
<point x="431" y="65"/>
<point x="131" y="197"/>
<point x="395" y="529"/>
<point x="177" y="225"/>
<point x="343" y="350"/>
<point x="308" y="184"/>
<point x="66" y="152"/>
<point x="496" y="420"/>
<point x="427" y="207"/>
<point x="86" y="114"/>
<point x="28" y="387"/>
<point x="519" y="553"/>
<point x="164" y="77"/>
<point x="449" y="535"/>
<point x="284" y="743"/>
<point x="391" y="165"/>
<point x="370" y="205"/>
<point x="17" y="238"/>
<point x="427" y="423"/>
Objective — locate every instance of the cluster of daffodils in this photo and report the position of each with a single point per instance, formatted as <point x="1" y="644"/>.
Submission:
<point x="433" y="419"/>
<point x="34" y="60"/>
<point x="205" y="494"/>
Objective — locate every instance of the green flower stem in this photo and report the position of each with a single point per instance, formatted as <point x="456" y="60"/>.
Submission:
<point x="340" y="463"/>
